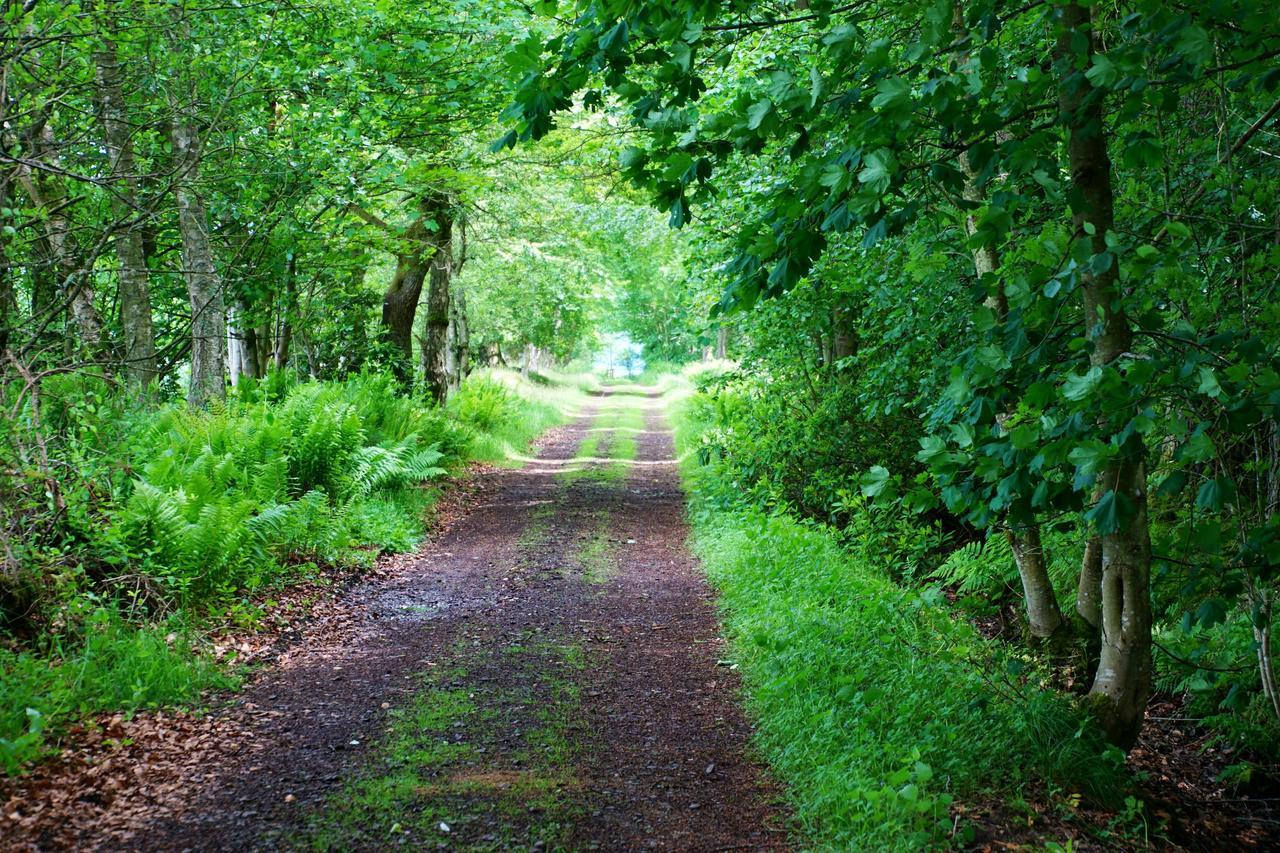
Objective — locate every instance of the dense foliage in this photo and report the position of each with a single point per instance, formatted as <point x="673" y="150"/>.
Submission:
<point x="169" y="521"/>
<point x="1022" y="264"/>
<point x="286" y="214"/>
<point x="876" y="706"/>
<point x="991" y="287"/>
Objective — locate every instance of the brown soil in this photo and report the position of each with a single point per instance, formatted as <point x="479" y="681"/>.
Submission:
<point x="1179" y="765"/>
<point x="662" y="759"/>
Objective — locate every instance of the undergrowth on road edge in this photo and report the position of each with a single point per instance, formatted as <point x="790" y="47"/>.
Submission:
<point x="879" y="711"/>
<point x="275" y="487"/>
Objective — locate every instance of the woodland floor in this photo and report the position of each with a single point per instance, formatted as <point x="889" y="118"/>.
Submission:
<point x="545" y="673"/>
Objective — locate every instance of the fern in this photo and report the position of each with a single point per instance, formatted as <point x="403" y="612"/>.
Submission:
<point x="982" y="567"/>
<point x="228" y="497"/>
<point x="405" y="464"/>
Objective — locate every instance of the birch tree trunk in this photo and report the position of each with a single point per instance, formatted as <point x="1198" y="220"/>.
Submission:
<point x="204" y="285"/>
<point x="1122" y="685"/>
<point x="133" y="276"/>
<point x="242" y="350"/>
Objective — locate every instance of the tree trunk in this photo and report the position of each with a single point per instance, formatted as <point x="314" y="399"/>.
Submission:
<point x="1122" y="685"/>
<point x="242" y="348"/>
<point x="843" y="341"/>
<point x="451" y="352"/>
<point x="399" y="308"/>
<point x="44" y="288"/>
<point x="400" y="301"/>
<point x="1044" y="616"/>
<point x="9" y="319"/>
<point x="204" y="285"/>
<point x="722" y="341"/>
<point x="288" y="305"/>
<point x="459" y="340"/>
<point x="133" y="276"/>
<point x="435" y="374"/>
<point x="73" y="286"/>
<point x="1089" y="590"/>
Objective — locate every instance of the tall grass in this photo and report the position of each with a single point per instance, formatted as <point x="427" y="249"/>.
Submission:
<point x="506" y="410"/>
<point x="872" y="703"/>
<point x="115" y="666"/>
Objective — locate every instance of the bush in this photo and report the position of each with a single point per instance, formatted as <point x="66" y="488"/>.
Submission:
<point x="503" y="411"/>
<point x="485" y="405"/>
<point x="801" y="452"/>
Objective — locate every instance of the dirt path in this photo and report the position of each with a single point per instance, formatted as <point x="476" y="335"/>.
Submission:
<point x="546" y="675"/>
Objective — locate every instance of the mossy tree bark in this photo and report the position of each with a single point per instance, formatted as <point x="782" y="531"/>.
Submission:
<point x="133" y="276"/>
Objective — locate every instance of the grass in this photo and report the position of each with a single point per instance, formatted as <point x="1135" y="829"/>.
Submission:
<point x="509" y="410"/>
<point x="442" y="773"/>
<point x="117" y="667"/>
<point x="875" y="707"/>
<point x="605" y="456"/>
<point x="607" y="452"/>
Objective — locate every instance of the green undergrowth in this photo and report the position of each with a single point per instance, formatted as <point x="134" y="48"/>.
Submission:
<point x="878" y="709"/>
<point x="508" y="410"/>
<point x="179" y="522"/>
<point x="446" y="772"/>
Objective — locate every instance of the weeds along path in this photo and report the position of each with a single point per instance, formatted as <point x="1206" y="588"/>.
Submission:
<point x="545" y="675"/>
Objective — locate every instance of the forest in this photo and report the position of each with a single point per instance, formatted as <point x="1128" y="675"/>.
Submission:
<point x="627" y="424"/>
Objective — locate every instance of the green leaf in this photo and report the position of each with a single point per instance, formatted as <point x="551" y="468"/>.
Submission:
<point x="1111" y="513"/>
<point x="1209" y="383"/>
<point x="1216" y="494"/>
<point x="877" y="483"/>
<point x="1079" y="386"/>
<point x="632" y="157"/>
<point x="1211" y="612"/>
<point x="1195" y="44"/>
<point x="1172" y="484"/>
<point x="756" y="112"/>
<point x="1093" y="456"/>
<point x="878" y="169"/>
<point x="1103" y="73"/>
<point x="616" y="37"/>
<point x="893" y="92"/>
